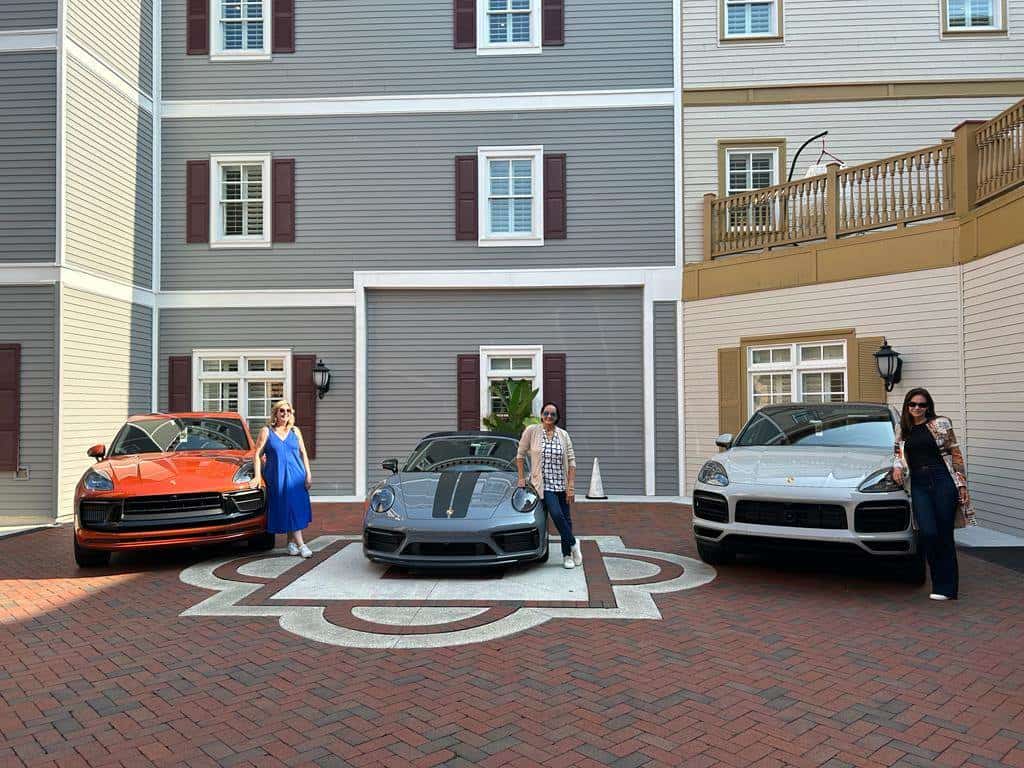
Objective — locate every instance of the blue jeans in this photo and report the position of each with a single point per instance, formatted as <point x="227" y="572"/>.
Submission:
<point x="934" y="496"/>
<point x="557" y="506"/>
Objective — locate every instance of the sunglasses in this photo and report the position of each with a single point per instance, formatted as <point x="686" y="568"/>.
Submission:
<point x="284" y="410"/>
<point x="917" y="405"/>
<point x="552" y="414"/>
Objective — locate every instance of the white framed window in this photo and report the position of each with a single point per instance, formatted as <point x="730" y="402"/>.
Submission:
<point x="973" y="15"/>
<point x="746" y="169"/>
<point x="809" y="372"/>
<point x="240" y="197"/>
<point x="746" y="20"/>
<point x="517" y="363"/>
<point x="508" y="27"/>
<point x="248" y="382"/>
<point x="240" y="30"/>
<point x="510" y="199"/>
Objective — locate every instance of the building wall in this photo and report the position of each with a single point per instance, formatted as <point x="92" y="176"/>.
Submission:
<point x="106" y="353"/>
<point x="378" y="193"/>
<point x="859" y="132"/>
<point x="405" y="47"/>
<point x="918" y="312"/>
<point x="328" y="332"/>
<point x="414" y="338"/>
<point x="28" y="14"/>
<point x="847" y="42"/>
<point x="28" y="316"/>
<point x="28" y="156"/>
<point x="109" y="180"/>
<point x="994" y="375"/>
<point x="666" y="403"/>
<point x="118" y="34"/>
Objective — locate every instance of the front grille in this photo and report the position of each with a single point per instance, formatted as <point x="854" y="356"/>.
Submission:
<point x="888" y="546"/>
<point x="448" y="549"/>
<point x="94" y="512"/>
<point x="710" y="506"/>
<point x="518" y="541"/>
<point x="791" y="514"/>
<point x="185" y="504"/>
<point x="741" y="542"/>
<point x="881" y="517"/>
<point x="245" y="502"/>
<point x="383" y="541"/>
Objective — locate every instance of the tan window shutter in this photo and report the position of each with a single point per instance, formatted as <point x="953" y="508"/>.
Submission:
<point x="870" y="386"/>
<point x="730" y="398"/>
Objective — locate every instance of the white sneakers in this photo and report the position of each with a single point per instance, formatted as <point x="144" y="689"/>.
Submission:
<point x="937" y="596"/>
<point x="305" y="551"/>
<point x="295" y="550"/>
<point x="577" y="554"/>
<point x="567" y="562"/>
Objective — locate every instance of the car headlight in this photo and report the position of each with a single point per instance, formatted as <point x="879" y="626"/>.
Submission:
<point x="245" y="474"/>
<point x="97" y="481"/>
<point x="713" y="473"/>
<point x="525" y="499"/>
<point x="881" y="481"/>
<point x="382" y="500"/>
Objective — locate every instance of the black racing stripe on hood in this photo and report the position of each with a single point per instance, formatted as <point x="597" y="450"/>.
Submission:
<point x="443" y="493"/>
<point x="464" y="493"/>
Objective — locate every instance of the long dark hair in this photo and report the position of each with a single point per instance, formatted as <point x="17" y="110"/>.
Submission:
<point x="906" y="422"/>
<point x="558" y="411"/>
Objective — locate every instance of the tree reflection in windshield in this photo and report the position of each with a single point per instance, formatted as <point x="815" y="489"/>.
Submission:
<point x="475" y="453"/>
<point x="164" y="435"/>
<point x="834" y="426"/>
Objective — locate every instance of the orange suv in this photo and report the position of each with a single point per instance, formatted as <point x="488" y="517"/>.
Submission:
<point x="170" y="480"/>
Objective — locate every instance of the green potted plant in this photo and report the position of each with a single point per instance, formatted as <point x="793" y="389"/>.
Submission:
<point x="516" y="397"/>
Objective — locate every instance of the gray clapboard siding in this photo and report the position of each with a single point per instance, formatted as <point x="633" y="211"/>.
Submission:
<point x="405" y="47"/>
<point x="106" y="353"/>
<point x="378" y="193"/>
<point x="28" y="14"/>
<point x="28" y="317"/>
<point x="28" y="157"/>
<point x="118" y="34"/>
<point x="666" y="403"/>
<point x="994" y="367"/>
<point x="844" y="42"/>
<point x="414" y="338"/>
<point x="109" y="181"/>
<point x="328" y="333"/>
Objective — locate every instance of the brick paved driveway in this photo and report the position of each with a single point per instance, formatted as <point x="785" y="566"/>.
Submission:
<point x="764" y="666"/>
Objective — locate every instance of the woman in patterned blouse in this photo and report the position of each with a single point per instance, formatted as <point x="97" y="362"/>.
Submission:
<point x="552" y="474"/>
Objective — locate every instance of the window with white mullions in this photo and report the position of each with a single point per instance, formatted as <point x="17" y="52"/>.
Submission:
<point x="510" y="196"/>
<point x="248" y="383"/>
<point x="751" y="19"/>
<point x="241" y="24"/>
<point x="242" y="199"/>
<point x="746" y="170"/>
<point x="972" y="14"/>
<point x="500" y="364"/>
<point x="812" y="372"/>
<point x="508" y="21"/>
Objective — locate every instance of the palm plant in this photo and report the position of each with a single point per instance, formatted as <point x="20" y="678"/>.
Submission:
<point x="516" y="413"/>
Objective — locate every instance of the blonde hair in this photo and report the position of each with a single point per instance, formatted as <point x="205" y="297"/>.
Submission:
<point x="272" y="420"/>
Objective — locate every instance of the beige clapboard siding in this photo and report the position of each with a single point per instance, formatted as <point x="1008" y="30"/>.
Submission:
<point x="994" y="357"/>
<point x="109" y="180"/>
<point x="106" y="352"/>
<point x="918" y="312"/>
<point x="118" y="34"/>
<point x="28" y="317"/>
<point x="848" y="42"/>
<point x="859" y="132"/>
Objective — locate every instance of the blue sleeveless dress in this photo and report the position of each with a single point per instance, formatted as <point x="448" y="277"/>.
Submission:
<point x="288" y="506"/>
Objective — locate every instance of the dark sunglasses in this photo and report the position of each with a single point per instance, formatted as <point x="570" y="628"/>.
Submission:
<point x="552" y="414"/>
<point x="917" y="405"/>
<point x="284" y="410"/>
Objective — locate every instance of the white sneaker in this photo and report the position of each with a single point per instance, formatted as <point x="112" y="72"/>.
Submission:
<point x="937" y="596"/>
<point x="305" y="551"/>
<point x="577" y="554"/>
<point x="293" y="549"/>
<point x="567" y="562"/>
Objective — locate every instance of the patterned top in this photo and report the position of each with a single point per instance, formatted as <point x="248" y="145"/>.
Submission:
<point x="942" y="430"/>
<point x="551" y="467"/>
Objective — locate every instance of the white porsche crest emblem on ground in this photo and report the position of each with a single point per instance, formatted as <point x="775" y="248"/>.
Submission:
<point x="340" y="598"/>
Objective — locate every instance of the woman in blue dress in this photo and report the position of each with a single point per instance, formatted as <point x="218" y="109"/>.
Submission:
<point x="287" y="476"/>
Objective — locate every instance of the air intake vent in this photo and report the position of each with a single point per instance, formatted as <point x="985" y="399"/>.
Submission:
<point x="383" y="541"/>
<point x="881" y="517"/>
<point x="518" y="541"/>
<point x="710" y="506"/>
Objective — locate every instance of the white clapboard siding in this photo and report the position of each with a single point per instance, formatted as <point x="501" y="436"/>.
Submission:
<point x="106" y="353"/>
<point x="859" y="132"/>
<point x="118" y="34"/>
<point x="918" y="313"/>
<point x="994" y="357"/>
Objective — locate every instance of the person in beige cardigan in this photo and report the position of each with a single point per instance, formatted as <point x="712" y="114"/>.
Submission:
<point x="552" y="474"/>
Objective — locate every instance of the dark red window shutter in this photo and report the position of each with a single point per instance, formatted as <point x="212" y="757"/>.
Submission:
<point x="283" y="209"/>
<point x="464" y="24"/>
<point x="179" y="383"/>
<point x="304" y="400"/>
<point x="554" y="197"/>
<point x="465" y="197"/>
<point x="197" y="27"/>
<point x="197" y="201"/>
<point x="554" y="382"/>
<point x="553" y="22"/>
<point x="469" y="391"/>
<point x="10" y="405"/>
<point x="282" y="31"/>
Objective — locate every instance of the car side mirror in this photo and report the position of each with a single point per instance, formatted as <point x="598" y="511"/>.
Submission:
<point x="724" y="440"/>
<point x="97" y="452"/>
<point x="391" y="465"/>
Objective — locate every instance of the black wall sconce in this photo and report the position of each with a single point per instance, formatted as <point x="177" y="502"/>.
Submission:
<point x="889" y="365"/>
<point x="322" y="379"/>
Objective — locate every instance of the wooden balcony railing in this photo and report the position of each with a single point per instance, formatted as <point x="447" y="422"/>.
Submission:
<point x="980" y="162"/>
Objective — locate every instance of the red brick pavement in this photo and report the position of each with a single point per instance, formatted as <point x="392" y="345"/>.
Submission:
<point x="765" y="666"/>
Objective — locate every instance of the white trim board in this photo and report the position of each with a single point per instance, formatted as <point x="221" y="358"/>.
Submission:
<point x="108" y="75"/>
<point x="400" y="105"/>
<point x="28" y="40"/>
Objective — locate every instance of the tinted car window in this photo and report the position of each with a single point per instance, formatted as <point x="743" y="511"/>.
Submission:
<point x="163" y="435"/>
<point x="464" y="454"/>
<point x="819" y="425"/>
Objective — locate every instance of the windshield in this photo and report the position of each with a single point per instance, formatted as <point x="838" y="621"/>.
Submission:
<point x="163" y="435"/>
<point x="464" y="454"/>
<point x="833" y="426"/>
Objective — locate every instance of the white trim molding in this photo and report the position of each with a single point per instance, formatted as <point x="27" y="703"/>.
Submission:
<point x="412" y="105"/>
<point x="485" y="155"/>
<point x="219" y="53"/>
<point x="260" y="298"/>
<point x="484" y="47"/>
<point x="535" y="373"/>
<point x="108" y="75"/>
<point x="98" y="285"/>
<point x="28" y="40"/>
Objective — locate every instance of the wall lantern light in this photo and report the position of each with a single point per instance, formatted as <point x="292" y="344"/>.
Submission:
<point x="321" y="378"/>
<point x="889" y="365"/>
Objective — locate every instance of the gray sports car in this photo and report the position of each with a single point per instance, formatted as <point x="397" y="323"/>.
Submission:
<point x="455" y="502"/>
